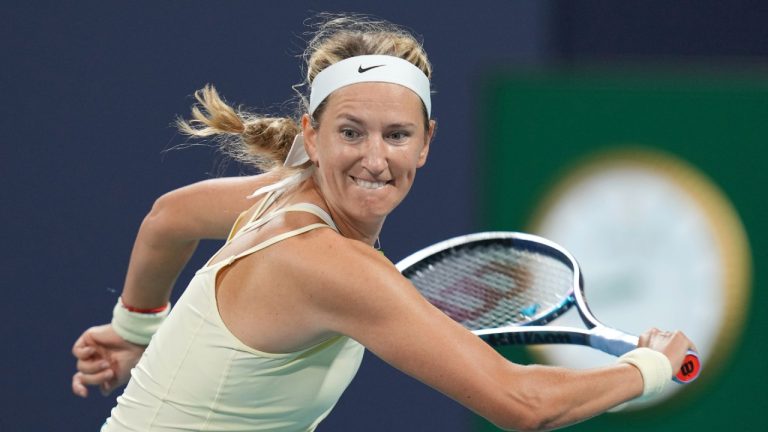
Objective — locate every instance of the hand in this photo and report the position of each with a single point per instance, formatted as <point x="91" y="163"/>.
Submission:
<point x="674" y="345"/>
<point x="104" y="359"/>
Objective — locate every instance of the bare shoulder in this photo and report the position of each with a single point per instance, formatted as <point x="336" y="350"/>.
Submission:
<point x="333" y="259"/>
<point x="332" y="263"/>
<point x="350" y="285"/>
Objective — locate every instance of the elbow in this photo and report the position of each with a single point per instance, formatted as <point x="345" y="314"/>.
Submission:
<point x="536" y="423"/>
<point x="160" y="212"/>
<point x="161" y="223"/>
<point x="527" y="406"/>
<point x="162" y="207"/>
<point x="541" y="416"/>
<point x="524" y="422"/>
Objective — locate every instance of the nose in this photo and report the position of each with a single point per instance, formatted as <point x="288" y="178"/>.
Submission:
<point x="375" y="157"/>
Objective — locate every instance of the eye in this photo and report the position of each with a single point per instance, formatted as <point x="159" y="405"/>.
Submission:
<point x="399" y="136"/>
<point x="349" y="134"/>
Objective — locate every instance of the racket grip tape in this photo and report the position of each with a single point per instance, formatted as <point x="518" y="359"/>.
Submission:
<point x="690" y="369"/>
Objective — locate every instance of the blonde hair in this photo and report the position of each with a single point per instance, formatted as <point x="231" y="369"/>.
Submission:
<point x="264" y="141"/>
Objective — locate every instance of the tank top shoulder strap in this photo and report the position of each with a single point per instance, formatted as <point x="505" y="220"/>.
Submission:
<point x="260" y="208"/>
<point x="298" y="207"/>
<point x="315" y="210"/>
<point x="268" y="200"/>
<point x="259" y="219"/>
<point x="270" y="241"/>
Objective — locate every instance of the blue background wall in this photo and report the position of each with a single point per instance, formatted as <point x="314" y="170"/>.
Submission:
<point x="90" y="90"/>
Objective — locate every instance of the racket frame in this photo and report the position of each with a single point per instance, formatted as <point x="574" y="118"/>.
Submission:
<point x="595" y="335"/>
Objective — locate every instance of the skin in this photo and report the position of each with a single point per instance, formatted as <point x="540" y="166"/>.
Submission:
<point x="369" y="143"/>
<point x="166" y="240"/>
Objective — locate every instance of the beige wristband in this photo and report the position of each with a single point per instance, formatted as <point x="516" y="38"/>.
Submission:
<point x="654" y="367"/>
<point x="136" y="327"/>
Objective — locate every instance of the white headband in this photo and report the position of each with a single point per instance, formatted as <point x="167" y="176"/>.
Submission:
<point x="353" y="70"/>
<point x="369" y="68"/>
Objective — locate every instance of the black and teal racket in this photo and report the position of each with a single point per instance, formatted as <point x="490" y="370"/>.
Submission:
<point x="505" y="287"/>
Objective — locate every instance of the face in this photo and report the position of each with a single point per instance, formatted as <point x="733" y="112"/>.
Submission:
<point x="369" y="142"/>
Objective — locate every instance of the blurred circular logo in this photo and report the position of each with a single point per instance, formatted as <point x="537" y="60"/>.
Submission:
<point x="660" y="245"/>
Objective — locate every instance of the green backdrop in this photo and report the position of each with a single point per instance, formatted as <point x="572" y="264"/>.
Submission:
<point x="537" y="125"/>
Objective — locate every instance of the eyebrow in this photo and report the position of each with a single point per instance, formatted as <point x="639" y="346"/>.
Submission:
<point x="353" y="119"/>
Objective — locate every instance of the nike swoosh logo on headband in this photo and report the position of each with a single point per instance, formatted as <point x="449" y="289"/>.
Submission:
<point x="361" y="69"/>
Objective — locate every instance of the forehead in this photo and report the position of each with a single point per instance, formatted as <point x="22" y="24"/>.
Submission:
<point x="377" y="97"/>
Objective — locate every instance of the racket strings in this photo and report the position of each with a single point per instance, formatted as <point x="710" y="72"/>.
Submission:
<point x="494" y="285"/>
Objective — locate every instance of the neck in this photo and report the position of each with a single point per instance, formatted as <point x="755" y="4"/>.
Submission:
<point x="364" y="231"/>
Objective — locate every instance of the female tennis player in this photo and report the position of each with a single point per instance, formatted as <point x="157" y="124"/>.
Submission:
<point x="271" y="330"/>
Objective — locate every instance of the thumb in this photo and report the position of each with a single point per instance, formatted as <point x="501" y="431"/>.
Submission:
<point x="105" y="335"/>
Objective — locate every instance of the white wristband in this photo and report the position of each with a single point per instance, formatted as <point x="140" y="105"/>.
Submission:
<point x="137" y="327"/>
<point x="654" y="367"/>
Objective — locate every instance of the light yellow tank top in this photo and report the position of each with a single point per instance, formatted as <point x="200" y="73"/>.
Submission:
<point x="197" y="376"/>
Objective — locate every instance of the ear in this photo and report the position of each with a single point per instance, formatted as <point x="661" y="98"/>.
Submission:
<point x="310" y="137"/>
<point x="425" y="150"/>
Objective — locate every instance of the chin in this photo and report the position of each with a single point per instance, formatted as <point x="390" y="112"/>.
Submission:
<point x="373" y="211"/>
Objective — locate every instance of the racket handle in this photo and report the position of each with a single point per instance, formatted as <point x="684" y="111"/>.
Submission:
<point x="690" y="369"/>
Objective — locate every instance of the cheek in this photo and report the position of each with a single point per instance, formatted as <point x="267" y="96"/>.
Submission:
<point x="404" y="166"/>
<point x="412" y="158"/>
<point x="335" y="163"/>
<point x="328" y="151"/>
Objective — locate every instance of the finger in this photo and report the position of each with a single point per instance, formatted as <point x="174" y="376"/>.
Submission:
<point x="683" y="338"/>
<point x="79" y="344"/>
<point x="644" y="339"/>
<point x="92" y="366"/>
<point x="106" y="387"/>
<point x="97" y="378"/>
<point x="83" y="352"/>
<point x="77" y="386"/>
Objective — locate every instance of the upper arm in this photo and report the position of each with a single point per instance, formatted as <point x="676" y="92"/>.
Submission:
<point x="371" y="302"/>
<point x="351" y="289"/>
<point x="205" y="210"/>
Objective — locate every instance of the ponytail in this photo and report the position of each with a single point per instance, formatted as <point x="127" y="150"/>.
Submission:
<point x="250" y="138"/>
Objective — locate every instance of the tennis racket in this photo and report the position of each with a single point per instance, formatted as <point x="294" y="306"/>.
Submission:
<point x="505" y="287"/>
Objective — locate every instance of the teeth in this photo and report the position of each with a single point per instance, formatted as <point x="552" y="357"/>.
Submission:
<point x="369" y="185"/>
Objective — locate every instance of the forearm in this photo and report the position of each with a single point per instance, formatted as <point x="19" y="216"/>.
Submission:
<point x="559" y="397"/>
<point x="171" y="231"/>
<point x="158" y="256"/>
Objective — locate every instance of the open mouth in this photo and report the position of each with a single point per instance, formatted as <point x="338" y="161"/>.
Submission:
<point x="366" y="184"/>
